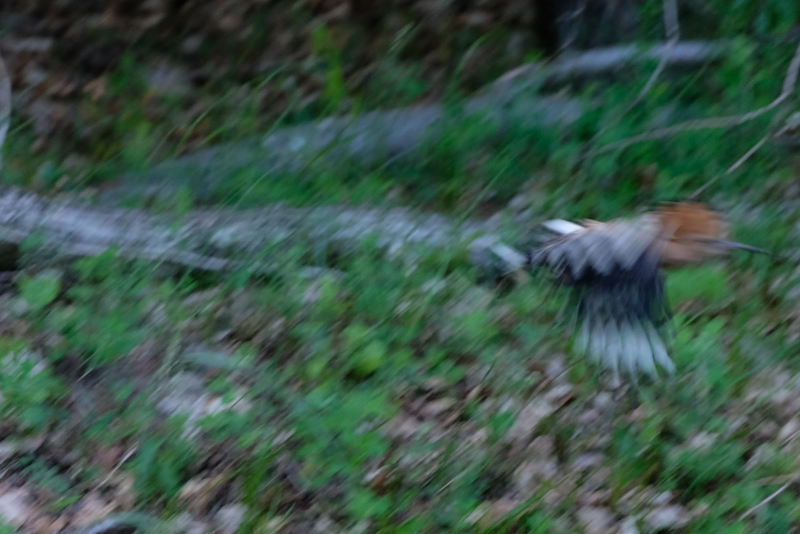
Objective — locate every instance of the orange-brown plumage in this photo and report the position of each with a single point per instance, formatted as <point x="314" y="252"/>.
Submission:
<point x="615" y="268"/>
<point x="687" y="231"/>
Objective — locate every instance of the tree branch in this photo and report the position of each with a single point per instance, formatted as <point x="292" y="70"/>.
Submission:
<point x="714" y="122"/>
<point x="604" y="62"/>
<point x="673" y="32"/>
<point x="774" y="494"/>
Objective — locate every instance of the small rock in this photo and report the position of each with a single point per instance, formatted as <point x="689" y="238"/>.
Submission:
<point x="361" y="527"/>
<point x="767" y="430"/>
<point x="662" y="498"/>
<point x="402" y="427"/>
<point x="587" y="461"/>
<point x="628" y="526"/>
<point x="594" y="498"/>
<point x="603" y="400"/>
<point x="556" y="369"/>
<point x="597" y="480"/>
<point x="438" y="407"/>
<point x="542" y="447"/>
<point x="185" y="524"/>
<point x="474" y="298"/>
<point x="11" y="447"/>
<point x="15" y="506"/>
<point x="488" y="513"/>
<point x="595" y="520"/>
<point x="632" y="501"/>
<point x="529" y="418"/>
<point x="667" y="517"/>
<point x="590" y="419"/>
<point x="560" y="492"/>
<point x="168" y="79"/>
<point x="763" y="455"/>
<point x="121" y="485"/>
<point x="92" y="508"/>
<point x="377" y="478"/>
<point x="529" y="476"/>
<point x="701" y="440"/>
<point x="191" y="44"/>
<point x="198" y="494"/>
<point x="478" y="437"/>
<point x="30" y="45"/>
<point x="229" y="517"/>
<point x="325" y="524"/>
<point x="789" y="431"/>
<point x="559" y="395"/>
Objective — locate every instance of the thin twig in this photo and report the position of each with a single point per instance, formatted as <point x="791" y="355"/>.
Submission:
<point x="733" y="167"/>
<point x="747" y="155"/>
<point x="673" y="32"/>
<point x="713" y="122"/>
<point x="650" y="82"/>
<point x="774" y="494"/>
<point x="769" y="481"/>
<point x="788" y="86"/>
<point x="569" y="19"/>
<point x="125" y="457"/>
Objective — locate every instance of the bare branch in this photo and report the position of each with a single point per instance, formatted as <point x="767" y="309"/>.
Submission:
<point x="788" y="86"/>
<point x="774" y="494"/>
<point x="697" y="192"/>
<point x="714" y="122"/>
<point x="672" y="30"/>
<point x="605" y="61"/>
<point x="5" y="106"/>
<point x="747" y="154"/>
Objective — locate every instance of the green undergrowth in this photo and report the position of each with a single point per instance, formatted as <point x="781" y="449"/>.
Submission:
<point x="400" y="396"/>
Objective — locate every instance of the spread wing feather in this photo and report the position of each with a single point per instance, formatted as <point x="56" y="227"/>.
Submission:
<point x="613" y="269"/>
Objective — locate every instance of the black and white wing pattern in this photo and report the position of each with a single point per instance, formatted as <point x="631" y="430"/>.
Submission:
<point x="613" y="268"/>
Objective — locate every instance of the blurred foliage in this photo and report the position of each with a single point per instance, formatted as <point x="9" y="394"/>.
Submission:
<point x="399" y="396"/>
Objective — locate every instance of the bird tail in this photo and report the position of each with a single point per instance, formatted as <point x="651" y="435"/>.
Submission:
<point x="614" y="333"/>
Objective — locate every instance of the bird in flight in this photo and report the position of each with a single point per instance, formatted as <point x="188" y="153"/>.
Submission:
<point x="615" y="269"/>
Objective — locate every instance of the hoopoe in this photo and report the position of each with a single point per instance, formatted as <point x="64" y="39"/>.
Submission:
<point x="615" y="269"/>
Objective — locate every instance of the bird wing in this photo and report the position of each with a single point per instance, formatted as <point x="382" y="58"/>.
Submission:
<point x="613" y="268"/>
<point x="600" y="249"/>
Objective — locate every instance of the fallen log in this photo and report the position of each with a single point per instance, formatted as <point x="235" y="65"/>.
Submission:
<point x="380" y="136"/>
<point x="369" y="139"/>
<point x="219" y="240"/>
<point x="224" y="240"/>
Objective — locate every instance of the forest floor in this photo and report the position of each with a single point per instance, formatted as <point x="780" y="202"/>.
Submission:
<point x="383" y="394"/>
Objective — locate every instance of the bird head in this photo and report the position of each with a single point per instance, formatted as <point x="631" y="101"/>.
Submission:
<point x="692" y="233"/>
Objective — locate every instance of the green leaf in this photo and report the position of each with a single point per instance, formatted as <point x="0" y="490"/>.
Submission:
<point x="40" y="290"/>
<point x="355" y="335"/>
<point x="370" y="358"/>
